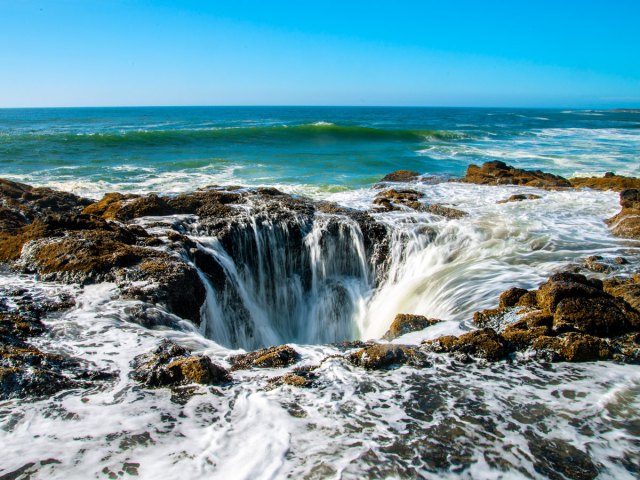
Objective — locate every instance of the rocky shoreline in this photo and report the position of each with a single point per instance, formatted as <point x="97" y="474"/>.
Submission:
<point x="64" y="238"/>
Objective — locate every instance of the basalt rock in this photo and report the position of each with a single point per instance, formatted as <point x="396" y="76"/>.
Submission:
<point x="401" y="176"/>
<point x="405" y="323"/>
<point x="273" y="357"/>
<point x="170" y="365"/>
<point x="610" y="181"/>
<point x="520" y="198"/>
<point x="485" y="343"/>
<point x="393" y="199"/>
<point x="499" y="173"/>
<point x="572" y="347"/>
<point x="385" y="356"/>
<point x="626" y="223"/>
<point x="625" y="288"/>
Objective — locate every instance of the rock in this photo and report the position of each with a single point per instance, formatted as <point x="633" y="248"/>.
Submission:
<point x="401" y="176"/>
<point x="520" y="198"/>
<point x="626" y="223"/>
<point x="389" y="200"/>
<point x="610" y="181"/>
<point x="510" y="298"/>
<point x="625" y="288"/>
<point x="491" y="317"/>
<point x="273" y="357"/>
<point x="596" y="263"/>
<point x="447" y="212"/>
<point x="484" y="343"/>
<point x="626" y="348"/>
<point x="499" y="173"/>
<point x="385" y="356"/>
<point x="404" y="323"/>
<point x="27" y="371"/>
<point x="170" y="365"/>
<point x="566" y="285"/>
<point x="573" y="347"/>
<point x="602" y="317"/>
<point x="522" y="333"/>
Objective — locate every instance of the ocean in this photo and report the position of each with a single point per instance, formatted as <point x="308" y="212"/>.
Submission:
<point x="309" y="150"/>
<point x="449" y="419"/>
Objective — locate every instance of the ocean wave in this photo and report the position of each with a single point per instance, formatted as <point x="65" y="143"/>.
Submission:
<point x="256" y="134"/>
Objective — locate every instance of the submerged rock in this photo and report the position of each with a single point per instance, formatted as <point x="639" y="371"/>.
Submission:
<point x="499" y="173"/>
<point x="170" y="365"/>
<point x="610" y="181"/>
<point x="405" y="323"/>
<point x="273" y="357"/>
<point x="520" y="198"/>
<point x="384" y="356"/>
<point x="626" y="223"/>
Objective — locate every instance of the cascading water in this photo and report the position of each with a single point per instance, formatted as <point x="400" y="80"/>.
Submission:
<point x="278" y="282"/>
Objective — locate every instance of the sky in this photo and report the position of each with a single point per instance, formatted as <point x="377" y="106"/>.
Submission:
<point x="562" y="53"/>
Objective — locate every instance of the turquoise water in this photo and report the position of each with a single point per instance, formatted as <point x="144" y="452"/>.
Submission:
<point x="313" y="150"/>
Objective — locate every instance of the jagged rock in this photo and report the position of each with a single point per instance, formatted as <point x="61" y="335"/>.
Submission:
<point x="510" y="298"/>
<point x="610" y="181"/>
<point x="626" y="288"/>
<point x="400" y="176"/>
<point x="484" y="343"/>
<point x="520" y="198"/>
<point x="384" y="356"/>
<point x="573" y="347"/>
<point x="626" y="348"/>
<point x="596" y="263"/>
<point x="626" y="223"/>
<point x="602" y="317"/>
<point x="404" y="323"/>
<point x="566" y="285"/>
<point x="389" y="200"/>
<point x="499" y="173"/>
<point x="27" y="371"/>
<point x="447" y="212"/>
<point x="522" y="333"/>
<point x="170" y="365"/>
<point x="273" y="357"/>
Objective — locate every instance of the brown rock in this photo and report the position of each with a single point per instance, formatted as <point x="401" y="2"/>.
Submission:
<point x="558" y="288"/>
<point x="573" y="347"/>
<point x="626" y="223"/>
<point x="273" y="357"/>
<point x="522" y="333"/>
<point x="510" y="298"/>
<point x="384" y="356"/>
<point x="198" y="369"/>
<point x="602" y="317"/>
<point x="625" y="288"/>
<point x="404" y="323"/>
<point x="400" y="176"/>
<point x="609" y="181"/>
<point x="484" y="343"/>
<point x="446" y="212"/>
<point x="499" y="173"/>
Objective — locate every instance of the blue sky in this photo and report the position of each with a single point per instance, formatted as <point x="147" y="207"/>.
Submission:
<point x="441" y="53"/>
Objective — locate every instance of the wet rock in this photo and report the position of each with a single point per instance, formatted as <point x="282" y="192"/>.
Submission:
<point x="401" y="176"/>
<point x="170" y="365"/>
<point x="602" y="317"/>
<point x="447" y="212"/>
<point x="485" y="343"/>
<point x="556" y="459"/>
<point x="572" y="347"/>
<point x="520" y="198"/>
<point x="304" y="376"/>
<point x="390" y="200"/>
<point x="273" y="357"/>
<point x="385" y="356"/>
<point x="405" y="323"/>
<point x="566" y="285"/>
<point x="596" y="263"/>
<point x="625" y="288"/>
<point x="626" y="223"/>
<point x="610" y="181"/>
<point x="626" y="348"/>
<point x="522" y="334"/>
<point x="510" y="297"/>
<point x="499" y="173"/>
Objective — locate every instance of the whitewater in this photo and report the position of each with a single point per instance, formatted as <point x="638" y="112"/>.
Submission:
<point x="520" y="419"/>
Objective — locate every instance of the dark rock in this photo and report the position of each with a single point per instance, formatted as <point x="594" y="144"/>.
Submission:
<point x="401" y="176"/>
<point x="520" y="198"/>
<point x="602" y="317"/>
<point x="170" y="365"/>
<point x="384" y="356"/>
<point x="596" y="264"/>
<point x="447" y="212"/>
<point x="556" y="459"/>
<point x="273" y="357"/>
<point x="404" y="323"/>
<point x="625" y="288"/>
<point x="499" y="173"/>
